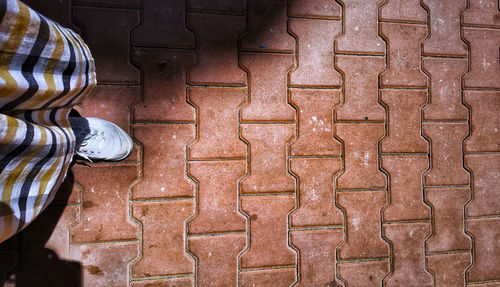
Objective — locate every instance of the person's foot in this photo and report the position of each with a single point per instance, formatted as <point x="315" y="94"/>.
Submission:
<point x="98" y="139"/>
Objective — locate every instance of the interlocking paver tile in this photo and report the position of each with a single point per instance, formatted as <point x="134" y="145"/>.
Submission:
<point x="267" y="30"/>
<point x="166" y="177"/>
<point x="368" y="273"/>
<point x="314" y="121"/>
<point x="267" y="77"/>
<point x="444" y="23"/>
<point x="217" y="253"/>
<point x="317" y="255"/>
<point x="110" y="45"/>
<point x="405" y="188"/>
<point x="403" y="121"/>
<point x="486" y="233"/>
<point x="449" y="269"/>
<point x="217" y="209"/>
<point x="328" y="9"/>
<point x="360" y="28"/>
<point x="234" y="6"/>
<point x="315" y="65"/>
<point x="484" y="121"/>
<point x="104" y="208"/>
<point x="163" y="24"/>
<point x="485" y="184"/>
<point x="131" y="4"/>
<point x="268" y="278"/>
<point x="171" y="282"/>
<point x="408" y="254"/>
<point x="217" y="45"/>
<point x="8" y="262"/>
<point x="217" y="135"/>
<point x="162" y="238"/>
<point x="448" y="219"/>
<point x="403" y="53"/>
<point x="361" y="83"/>
<point x="268" y="163"/>
<point x="316" y="194"/>
<point x="268" y="231"/>
<point x="403" y="11"/>
<point x="482" y="13"/>
<point x="484" y="62"/>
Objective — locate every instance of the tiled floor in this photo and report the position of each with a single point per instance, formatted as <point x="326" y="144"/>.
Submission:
<point x="313" y="142"/>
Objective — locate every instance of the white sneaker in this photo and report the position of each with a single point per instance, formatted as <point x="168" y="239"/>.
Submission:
<point x="98" y="139"/>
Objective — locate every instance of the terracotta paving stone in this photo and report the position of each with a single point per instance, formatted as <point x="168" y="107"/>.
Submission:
<point x="267" y="87"/>
<point x="403" y="11"/>
<point x="315" y="65"/>
<point x="233" y="6"/>
<point x="268" y="164"/>
<point x="446" y="154"/>
<point x="217" y="209"/>
<point x="162" y="238"/>
<point x="268" y="231"/>
<point x="104" y="208"/>
<point x="267" y="27"/>
<point x="484" y="62"/>
<point x="444" y="26"/>
<point x="447" y="214"/>
<point x="405" y="188"/>
<point x="217" y="135"/>
<point x="368" y="273"/>
<point x="100" y="33"/>
<point x="485" y="121"/>
<point x="486" y="233"/>
<point x="163" y="85"/>
<point x="484" y="13"/>
<point x="449" y="269"/>
<point x="445" y="95"/>
<point x="361" y="83"/>
<point x="314" y="121"/>
<point x="317" y="255"/>
<point x="485" y="183"/>
<point x="327" y="9"/>
<point x="219" y="253"/>
<point x="163" y="24"/>
<point x="361" y="158"/>
<point x="268" y="278"/>
<point x="316" y="194"/>
<point x="403" y="52"/>
<point x="171" y="282"/>
<point x="217" y="45"/>
<point x="166" y="178"/>
<point x="408" y="254"/>
<point x="131" y="4"/>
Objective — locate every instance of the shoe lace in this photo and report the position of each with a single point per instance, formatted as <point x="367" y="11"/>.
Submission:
<point x="93" y="143"/>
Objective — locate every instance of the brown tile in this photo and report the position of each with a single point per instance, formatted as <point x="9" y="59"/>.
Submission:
<point x="328" y="9"/>
<point x="60" y="12"/>
<point x="217" y="202"/>
<point x="163" y="24"/>
<point x="362" y="211"/>
<point x="448" y="219"/>
<point x="444" y="23"/>
<point x="316" y="194"/>
<point x="162" y="238"/>
<point x="7" y="264"/>
<point x="163" y="85"/>
<point x="446" y="154"/>
<point x="486" y="234"/>
<point x="267" y="27"/>
<point x="485" y="184"/>
<point x="408" y="254"/>
<point x="217" y="135"/>
<point x="484" y="62"/>
<point x="360" y="28"/>
<point x="484" y="121"/>
<point x="234" y="6"/>
<point x="405" y="178"/>
<point x="217" y="263"/>
<point x="361" y="156"/>
<point x="483" y="13"/>
<point x="104" y="209"/>
<point x="315" y="65"/>
<point x="68" y="192"/>
<point x="403" y="121"/>
<point x="106" y="32"/>
<point x="171" y="282"/>
<point x="403" y="53"/>
<point x="361" y="86"/>
<point x="268" y="231"/>
<point x="131" y="4"/>
<point x="267" y="76"/>
<point x="368" y="273"/>
<point x="449" y="269"/>
<point x="268" y="278"/>
<point x="268" y="162"/>
<point x="217" y="46"/>
<point x="445" y="89"/>
<point x="403" y="10"/>
<point x="317" y="255"/>
<point x="165" y="177"/>
<point x="315" y="126"/>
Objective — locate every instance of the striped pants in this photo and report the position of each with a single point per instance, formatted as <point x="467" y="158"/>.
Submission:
<point x="45" y="70"/>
